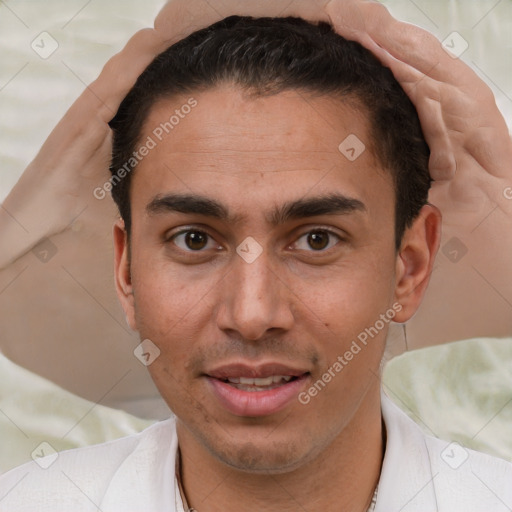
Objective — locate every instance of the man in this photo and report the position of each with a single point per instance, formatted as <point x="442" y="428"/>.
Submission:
<point x="52" y="211"/>
<point x="271" y="218"/>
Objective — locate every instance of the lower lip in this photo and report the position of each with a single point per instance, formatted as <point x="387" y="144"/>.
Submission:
<point x="256" y="403"/>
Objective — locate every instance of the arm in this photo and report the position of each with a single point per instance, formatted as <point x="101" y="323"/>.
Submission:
<point x="470" y="293"/>
<point x="85" y="330"/>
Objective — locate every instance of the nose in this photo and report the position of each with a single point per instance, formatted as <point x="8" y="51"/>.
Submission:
<point x="254" y="300"/>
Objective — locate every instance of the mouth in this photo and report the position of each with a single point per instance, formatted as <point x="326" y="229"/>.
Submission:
<point x="259" y="384"/>
<point x="252" y="391"/>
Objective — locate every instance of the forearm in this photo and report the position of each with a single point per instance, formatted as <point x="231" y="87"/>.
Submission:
<point x="21" y="225"/>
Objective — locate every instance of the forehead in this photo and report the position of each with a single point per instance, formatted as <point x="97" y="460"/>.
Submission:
<point x="249" y="150"/>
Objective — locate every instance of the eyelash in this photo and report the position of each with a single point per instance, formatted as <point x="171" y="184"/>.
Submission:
<point x="330" y="233"/>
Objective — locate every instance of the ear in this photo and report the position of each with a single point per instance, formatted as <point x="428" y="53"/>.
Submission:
<point x="415" y="260"/>
<point x="122" y="273"/>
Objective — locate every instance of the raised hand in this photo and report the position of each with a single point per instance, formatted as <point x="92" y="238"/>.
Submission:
<point x="471" y="164"/>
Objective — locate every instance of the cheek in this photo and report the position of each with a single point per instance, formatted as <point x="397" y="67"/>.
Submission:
<point x="166" y="306"/>
<point x="352" y="297"/>
<point x="167" y="311"/>
<point x="354" y="337"/>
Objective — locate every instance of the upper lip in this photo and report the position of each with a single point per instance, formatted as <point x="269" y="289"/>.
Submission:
<point x="254" y="371"/>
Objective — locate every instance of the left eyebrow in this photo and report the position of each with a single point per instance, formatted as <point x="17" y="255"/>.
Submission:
<point x="332" y="204"/>
<point x="193" y="204"/>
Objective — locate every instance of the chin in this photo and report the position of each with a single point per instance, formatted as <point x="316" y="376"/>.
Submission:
<point x="263" y="455"/>
<point x="251" y="458"/>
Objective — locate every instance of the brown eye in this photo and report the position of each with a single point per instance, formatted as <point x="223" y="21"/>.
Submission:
<point x="317" y="240"/>
<point x="193" y="240"/>
<point x="196" y="240"/>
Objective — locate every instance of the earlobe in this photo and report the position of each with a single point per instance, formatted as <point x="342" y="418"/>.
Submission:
<point x="122" y="272"/>
<point x="415" y="261"/>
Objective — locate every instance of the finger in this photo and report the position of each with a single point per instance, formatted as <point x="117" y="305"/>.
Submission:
<point x="449" y="96"/>
<point x="442" y="161"/>
<point x="121" y="72"/>
<point x="427" y="95"/>
<point x="456" y="119"/>
<point x="369" y="20"/>
<point x="179" y="18"/>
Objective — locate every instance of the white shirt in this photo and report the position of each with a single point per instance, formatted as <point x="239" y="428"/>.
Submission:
<point x="137" y="473"/>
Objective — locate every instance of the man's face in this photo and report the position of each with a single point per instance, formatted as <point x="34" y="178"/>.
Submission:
<point x="326" y="272"/>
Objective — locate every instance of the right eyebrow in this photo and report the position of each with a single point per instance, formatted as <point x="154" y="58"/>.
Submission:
<point x="192" y="204"/>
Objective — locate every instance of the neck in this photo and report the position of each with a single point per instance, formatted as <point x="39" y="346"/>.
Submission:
<point x="341" y="477"/>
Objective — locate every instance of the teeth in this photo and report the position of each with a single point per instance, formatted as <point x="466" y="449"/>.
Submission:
<point x="257" y="382"/>
<point x="267" y="381"/>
